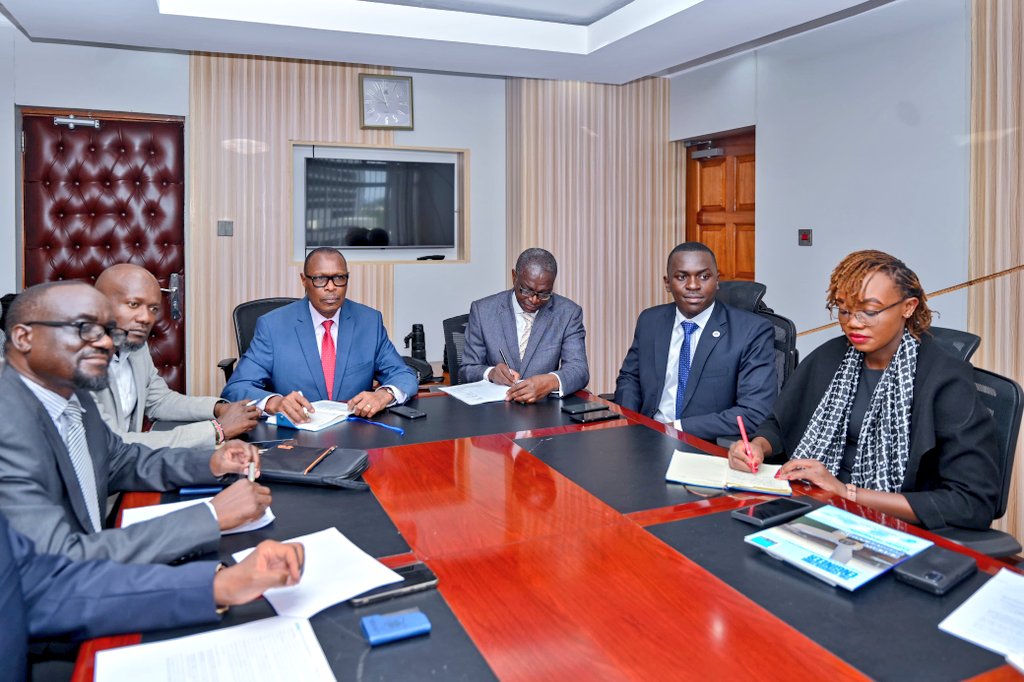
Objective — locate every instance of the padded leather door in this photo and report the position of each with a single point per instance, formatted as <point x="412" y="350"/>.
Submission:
<point x="94" y="198"/>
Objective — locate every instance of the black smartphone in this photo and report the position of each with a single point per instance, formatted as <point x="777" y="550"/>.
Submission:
<point x="580" y="408"/>
<point x="416" y="578"/>
<point x="408" y="412"/>
<point x="936" y="569"/>
<point x="771" y="513"/>
<point x="598" y="416"/>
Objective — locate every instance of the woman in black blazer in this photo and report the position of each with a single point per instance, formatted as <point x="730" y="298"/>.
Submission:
<point x="882" y="416"/>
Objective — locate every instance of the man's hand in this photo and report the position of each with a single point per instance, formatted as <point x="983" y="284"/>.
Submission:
<point x="271" y="564"/>
<point x="533" y="389"/>
<point x="294" y="405"/>
<point x="233" y="458"/>
<point x="236" y="418"/>
<point x="503" y="374"/>
<point x="240" y="503"/>
<point x="740" y="461"/>
<point x="369" y="403"/>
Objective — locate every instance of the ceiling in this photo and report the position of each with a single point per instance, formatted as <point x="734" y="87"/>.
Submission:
<point x="608" y="41"/>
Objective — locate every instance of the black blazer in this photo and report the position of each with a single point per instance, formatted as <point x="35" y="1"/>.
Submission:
<point x="952" y="476"/>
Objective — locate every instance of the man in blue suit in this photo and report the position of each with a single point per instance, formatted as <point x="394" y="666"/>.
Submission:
<point x="321" y="348"/>
<point x="698" y="362"/>
<point x="529" y="339"/>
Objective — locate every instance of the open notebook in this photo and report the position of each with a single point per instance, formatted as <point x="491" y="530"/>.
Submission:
<point x="709" y="471"/>
<point x="327" y="413"/>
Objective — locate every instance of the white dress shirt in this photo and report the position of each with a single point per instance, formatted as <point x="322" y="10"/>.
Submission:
<point x="522" y="317"/>
<point x="124" y="382"/>
<point x="667" y="407"/>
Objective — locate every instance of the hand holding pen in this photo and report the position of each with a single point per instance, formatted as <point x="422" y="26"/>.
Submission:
<point x="747" y="455"/>
<point x="503" y="374"/>
<point x="294" y="405"/>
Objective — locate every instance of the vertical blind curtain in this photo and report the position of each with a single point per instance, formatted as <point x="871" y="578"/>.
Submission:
<point x="997" y="210"/>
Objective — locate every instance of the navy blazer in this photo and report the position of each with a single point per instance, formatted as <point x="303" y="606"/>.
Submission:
<point x="283" y="356"/>
<point x="732" y="373"/>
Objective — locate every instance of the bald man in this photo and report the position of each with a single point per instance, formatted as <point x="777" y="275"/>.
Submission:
<point x="136" y="390"/>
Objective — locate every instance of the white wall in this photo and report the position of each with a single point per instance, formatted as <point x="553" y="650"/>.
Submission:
<point x="466" y="113"/>
<point x="862" y="130"/>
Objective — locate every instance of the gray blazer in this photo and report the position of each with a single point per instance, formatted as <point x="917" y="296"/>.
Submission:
<point x="159" y="403"/>
<point x="41" y="497"/>
<point x="557" y="341"/>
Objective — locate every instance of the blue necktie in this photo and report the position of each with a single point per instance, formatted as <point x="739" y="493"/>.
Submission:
<point x="684" y="365"/>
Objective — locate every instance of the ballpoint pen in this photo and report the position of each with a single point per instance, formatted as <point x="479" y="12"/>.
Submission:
<point x="400" y="431"/>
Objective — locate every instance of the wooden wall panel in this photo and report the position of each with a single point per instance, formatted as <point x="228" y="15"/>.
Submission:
<point x="591" y="178"/>
<point x="244" y="112"/>
<point x="997" y="207"/>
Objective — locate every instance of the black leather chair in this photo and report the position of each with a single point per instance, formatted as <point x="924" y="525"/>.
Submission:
<point x="959" y="344"/>
<point x="244" y="316"/>
<point x="786" y="355"/>
<point x="1004" y="398"/>
<point x="454" y="342"/>
<point x="741" y="294"/>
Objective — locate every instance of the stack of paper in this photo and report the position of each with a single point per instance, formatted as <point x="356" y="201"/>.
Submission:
<point x="477" y="393"/>
<point x="993" y="617"/>
<point x="139" y="514"/>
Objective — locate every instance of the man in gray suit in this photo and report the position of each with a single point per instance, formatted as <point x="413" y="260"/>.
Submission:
<point x="529" y="338"/>
<point x="59" y="461"/>
<point x="137" y="390"/>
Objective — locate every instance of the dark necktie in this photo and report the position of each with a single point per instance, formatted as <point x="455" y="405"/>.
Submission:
<point x="327" y="358"/>
<point x="684" y="365"/>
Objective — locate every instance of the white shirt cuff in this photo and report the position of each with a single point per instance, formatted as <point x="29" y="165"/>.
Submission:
<point x="559" y="391"/>
<point x="487" y="374"/>
<point x="213" y="510"/>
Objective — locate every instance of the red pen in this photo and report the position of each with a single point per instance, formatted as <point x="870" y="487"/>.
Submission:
<point x="746" y="444"/>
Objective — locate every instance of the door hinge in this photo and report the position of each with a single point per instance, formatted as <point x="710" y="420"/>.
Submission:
<point x="22" y="141"/>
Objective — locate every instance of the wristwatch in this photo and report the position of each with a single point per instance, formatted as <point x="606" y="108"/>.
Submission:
<point x="388" y="389"/>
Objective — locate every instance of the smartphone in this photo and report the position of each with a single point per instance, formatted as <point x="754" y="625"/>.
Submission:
<point x="936" y="570"/>
<point x="408" y="412"/>
<point x="416" y="578"/>
<point x="580" y="408"/>
<point x="772" y="513"/>
<point x="590" y="417"/>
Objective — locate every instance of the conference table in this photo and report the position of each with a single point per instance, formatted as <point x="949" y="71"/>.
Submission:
<point x="562" y="553"/>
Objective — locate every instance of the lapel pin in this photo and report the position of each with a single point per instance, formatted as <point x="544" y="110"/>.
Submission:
<point x="716" y="333"/>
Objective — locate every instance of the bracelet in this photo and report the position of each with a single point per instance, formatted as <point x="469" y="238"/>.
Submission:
<point x="851" y="492"/>
<point x="220" y="433"/>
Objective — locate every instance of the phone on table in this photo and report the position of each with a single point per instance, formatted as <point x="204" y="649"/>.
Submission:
<point x="771" y="513"/>
<point x="598" y="416"/>
<point x="580" y="408"/>
<point x="936" y="569"/>
<point x="408" y="412"/>
<point x="416" y="578"/>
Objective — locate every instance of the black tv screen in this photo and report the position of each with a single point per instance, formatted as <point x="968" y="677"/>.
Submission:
<point x="362" y="203"/>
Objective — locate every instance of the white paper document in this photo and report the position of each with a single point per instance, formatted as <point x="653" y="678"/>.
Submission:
<point x="477" y="393"/>
<point x="272" y="649"/>
<point x="993" y="617"/>
<point x="325" y="413"/>
<point x="139" y="514"/>
<point x="335" y="570"/>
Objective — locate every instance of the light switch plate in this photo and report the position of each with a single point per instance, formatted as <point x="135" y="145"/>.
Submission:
<point x="225" y="228"/>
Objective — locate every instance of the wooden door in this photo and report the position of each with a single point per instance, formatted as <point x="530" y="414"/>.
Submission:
<point x="94" y="197"/>
<point x="720" y="203"/>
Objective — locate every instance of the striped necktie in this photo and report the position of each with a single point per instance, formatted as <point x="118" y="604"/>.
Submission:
<point x="78" y="449"/>
<point x="524" y="339"/>
<point x="684" y="365"/>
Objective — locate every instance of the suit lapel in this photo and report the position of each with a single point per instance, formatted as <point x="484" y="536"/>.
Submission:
<point x="346" y="332"/>
<point x="709" y="338"/>
<point x="662" y="341"/>
<point x="138" y="375"/>
<point x="307" y="344"/>
<point x="508" y="328"/>
<point x="544" y="319"/>
<point x="116" y="395"/>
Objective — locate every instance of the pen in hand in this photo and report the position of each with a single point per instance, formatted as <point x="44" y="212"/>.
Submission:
<point x="505" y="360"/>
<point x="252" y="472"/>
<point x="746" y="445"/>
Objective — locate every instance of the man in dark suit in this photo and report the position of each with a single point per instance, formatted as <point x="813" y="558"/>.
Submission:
<point x="539" y="333"/>
<point x="698" y="362"/>
<point x="323" y="347"/>
<point x="59" y="461"/>
<point x="48" y="596"/>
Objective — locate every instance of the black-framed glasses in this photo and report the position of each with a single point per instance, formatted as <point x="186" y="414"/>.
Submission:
<point x="865" y="317"/>
<point x="320" y="281"/>
<point x="530" y="293"/>
<point x="90" y="332"/>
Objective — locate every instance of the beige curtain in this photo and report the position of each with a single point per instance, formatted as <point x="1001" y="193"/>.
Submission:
<point x="997" y="211"/>
<point x="591" y="178"/>
<point x="244" y="112"/>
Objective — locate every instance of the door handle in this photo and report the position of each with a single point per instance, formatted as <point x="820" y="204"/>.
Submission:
<point x="175" y="291"/>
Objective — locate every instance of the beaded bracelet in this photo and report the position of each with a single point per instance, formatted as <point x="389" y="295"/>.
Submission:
<point x="220" y="432"/>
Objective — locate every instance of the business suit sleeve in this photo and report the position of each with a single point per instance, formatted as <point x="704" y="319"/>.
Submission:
<point x="251" y="379"/>
<point x="627" y="385"/>
<point x="756" y="389"/>
<point x="574" y="372"/>
<point x="474" y="352"/>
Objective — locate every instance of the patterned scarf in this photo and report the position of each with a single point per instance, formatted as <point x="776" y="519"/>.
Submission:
<point x="884" y="444"/>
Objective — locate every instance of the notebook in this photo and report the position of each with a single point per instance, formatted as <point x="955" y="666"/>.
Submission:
<point x="708" y="471"/>
<point x="326" y="413"/>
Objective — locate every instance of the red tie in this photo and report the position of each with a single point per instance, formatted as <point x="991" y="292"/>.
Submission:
<point x="327" y="357"/>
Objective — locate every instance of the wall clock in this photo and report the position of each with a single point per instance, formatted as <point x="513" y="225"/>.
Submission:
<point x="387" y="102"/>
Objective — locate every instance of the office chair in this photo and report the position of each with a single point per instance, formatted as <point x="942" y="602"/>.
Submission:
<point x="957" y="343"/>
<point x="454" y="342"/>
<point x="1005" y="400"/>
<point x="244" y="316"/>
<point x="741" y="294"/>
<point x="786" y="355"/>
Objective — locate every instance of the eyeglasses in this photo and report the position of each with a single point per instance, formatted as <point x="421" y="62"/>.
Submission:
<point x="530" y="293"/>
<point x="865" y="317"/>
<point x="90" y="332"/>
<point x="320" y="281"/>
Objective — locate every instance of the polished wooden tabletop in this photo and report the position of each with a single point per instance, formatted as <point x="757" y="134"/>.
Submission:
<point x="550" y="582"/>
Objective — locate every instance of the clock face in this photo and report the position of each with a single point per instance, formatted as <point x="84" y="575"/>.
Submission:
<point x="387" y="102"/>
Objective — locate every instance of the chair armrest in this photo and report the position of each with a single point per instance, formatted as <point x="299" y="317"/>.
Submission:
<point x="227" y="365"/>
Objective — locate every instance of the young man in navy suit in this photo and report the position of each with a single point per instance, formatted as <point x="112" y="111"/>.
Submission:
<point x="698" y="362"/>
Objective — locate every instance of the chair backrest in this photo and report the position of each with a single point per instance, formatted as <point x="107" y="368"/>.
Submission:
<point x="454" y="342"/>
<point x="957" y="343"/>
<point x="1005" y="400"/>
<point x="246" y="314"/>
<point x="741" y="294"/>
<point x="786" y="355"/>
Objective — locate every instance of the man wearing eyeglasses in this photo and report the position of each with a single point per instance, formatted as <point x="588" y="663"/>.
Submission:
<point x="322" y="347"/>
<point x="59" y="461"/>
<point x="529" y="339"/>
